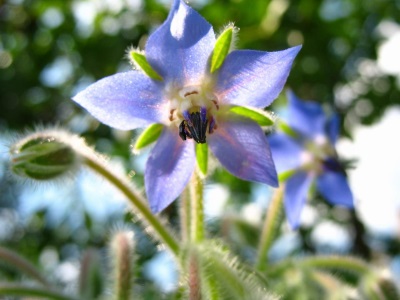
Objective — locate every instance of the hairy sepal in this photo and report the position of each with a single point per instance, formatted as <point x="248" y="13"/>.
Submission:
<point x="147" y="137"/>
<point x="223" y="45"/>
<point x="259" y="116"/>
<point x="140" y="62"/>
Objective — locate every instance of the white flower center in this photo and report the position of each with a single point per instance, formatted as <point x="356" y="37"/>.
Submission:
<point x="193" y="110"/>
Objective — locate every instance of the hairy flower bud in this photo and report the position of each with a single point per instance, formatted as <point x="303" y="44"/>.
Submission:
<point x="122" y="250"/>
<point x="44" y="155"/>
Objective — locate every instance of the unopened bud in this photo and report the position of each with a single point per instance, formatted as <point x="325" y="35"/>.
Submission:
<point x="44" y="155"/>
<point x="122" y="249"/>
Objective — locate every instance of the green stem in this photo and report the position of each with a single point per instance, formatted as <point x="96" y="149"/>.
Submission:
<point x="345" y="263"/>
<point x="196" y="205"/>
<point x="272" y="222"/>
<point x="22" y="264"/>
<point x="185" y="215"/>
<point x="136" y="200"/>
<point x="21" y="290"/>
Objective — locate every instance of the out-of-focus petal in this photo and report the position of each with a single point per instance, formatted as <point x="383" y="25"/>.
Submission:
<point x="295" y="196"/>
<point x="333" y="127"/>
<point x="125" y="101"/>
<point x="335" y="188"/>
<point x="306" y="117"/>
<point x="168" y="169"/>
<point x="286" y="152"/>
<point x="180" y="48"/>
<point x="241" y="147"/>
<point x="254" y="78"/>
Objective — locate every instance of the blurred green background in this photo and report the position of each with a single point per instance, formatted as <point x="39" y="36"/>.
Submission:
<point x="50" y="50"/>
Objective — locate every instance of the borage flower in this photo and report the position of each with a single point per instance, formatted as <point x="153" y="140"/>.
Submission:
<point x="307" y="153"/>
<point x="192" y="99"/>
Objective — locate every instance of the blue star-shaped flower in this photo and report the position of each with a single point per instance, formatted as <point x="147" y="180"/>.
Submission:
<point x="310" y="153"/>
<point x="192" y="103"/>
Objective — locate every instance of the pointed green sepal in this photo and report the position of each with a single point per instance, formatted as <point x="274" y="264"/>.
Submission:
<point x="286" y="175"/>
<point x="260" y="116"/>
<point x="287" y="129"/>
<point x="148" y="136"/>
<point x="202" y="157"/>
<point x="140" y="62"/>
<point x="222" y="47"/>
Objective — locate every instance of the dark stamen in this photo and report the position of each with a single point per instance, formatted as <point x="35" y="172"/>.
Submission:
<point x="332" y="164"/>
<point x="195" y="126"/>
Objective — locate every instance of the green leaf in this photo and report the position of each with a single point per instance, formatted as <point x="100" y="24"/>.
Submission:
<point x="202" y="157"/>
<point x="260" y="116"/>
<point x="222" y="47"/>
<point x="148" y="136"/>
<point x="140" y="62"/>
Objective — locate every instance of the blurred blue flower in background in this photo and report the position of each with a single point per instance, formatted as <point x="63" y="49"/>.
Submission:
<point x="193" y="103"/>
<point x="306" y="151"/>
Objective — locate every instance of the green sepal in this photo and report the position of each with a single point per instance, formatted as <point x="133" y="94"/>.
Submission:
<point x="140" y="62"/>
<point x="287" y="129"/>
<point x="262" y="117"/>
<point x="221" y="49"/>
<point x="202" y="157"/>
<point x="286" y="175"/>
<point x="148" y="136"/>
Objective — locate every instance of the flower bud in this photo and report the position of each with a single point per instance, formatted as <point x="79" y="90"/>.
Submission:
<point x="122" y="250"/>
<point x="43" y="156"/>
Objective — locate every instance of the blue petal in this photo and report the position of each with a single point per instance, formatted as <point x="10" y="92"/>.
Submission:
<point x="333" y="127"/>
<point x="254" y="78"/>
<point x="286" y="152"/>
<point x="335" y="188"/>
<point x="180" y="48"/>
<point x="168" y="169"/>
<point x="306" y="117"/>
<point x="241" y="147"/>
<point x="125" y="101"/>
<point x="295" y="196"/>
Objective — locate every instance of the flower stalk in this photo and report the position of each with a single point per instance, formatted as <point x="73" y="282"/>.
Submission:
<point x="29" y="291"/>
<point x="196" y="208"/>
<point x="184" y="213"/>
<point x="272" y="222"/>
<point x="135" y="199"/>
<point x="22" y="264"/>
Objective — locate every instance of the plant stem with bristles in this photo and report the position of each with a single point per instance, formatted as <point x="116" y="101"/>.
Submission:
<point x="196" y="205"/>
<point x="272" y="222"/>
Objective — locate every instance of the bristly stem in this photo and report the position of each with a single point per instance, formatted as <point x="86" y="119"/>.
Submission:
<point x="273" y="220"/>
<point x="22" y="264"/>
<point x="346" y="263"/>
<point x="30" y="291"/>
<point x="185" y="213"/>
<point x="122" y="184"/>
<point x="196" y="205"/>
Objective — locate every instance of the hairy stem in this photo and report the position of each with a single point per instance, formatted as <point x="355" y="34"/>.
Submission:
<point x="184" y="213"/>
<point x="346" y="263"/>
<point x="272" y="222"/>
<point x="196" y="205"/>
<point x="122" y="184"/>
<point x="21" y="290"/>
<point x="22" y="264"/>
<point x="194" y="279"/>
